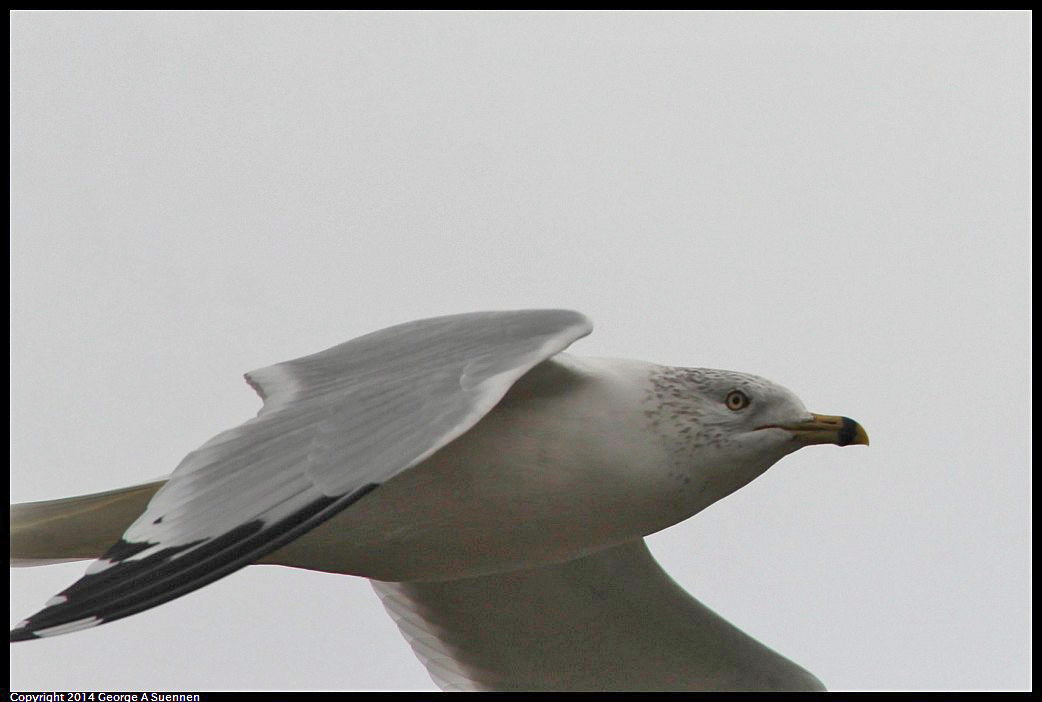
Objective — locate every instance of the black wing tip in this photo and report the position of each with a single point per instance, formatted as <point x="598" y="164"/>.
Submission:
<point x="22" y="634"/>
<point x="30" y="629"/>
<point x="128" y="586"/>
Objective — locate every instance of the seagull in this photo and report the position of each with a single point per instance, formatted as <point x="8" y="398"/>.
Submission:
<point x="494" y="489"/>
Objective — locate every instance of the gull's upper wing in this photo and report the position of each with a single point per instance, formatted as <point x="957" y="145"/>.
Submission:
<point x="610" y="621"/>
<point x="334" y="426"/>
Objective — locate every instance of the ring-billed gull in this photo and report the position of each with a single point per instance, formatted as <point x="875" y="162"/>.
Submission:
<point x="496" y="491"/>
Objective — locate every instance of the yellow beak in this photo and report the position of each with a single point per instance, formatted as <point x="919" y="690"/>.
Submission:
<point x="825" y="429"/>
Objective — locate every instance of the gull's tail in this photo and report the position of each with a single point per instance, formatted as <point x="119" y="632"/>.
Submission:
<point x="75" y="528"/>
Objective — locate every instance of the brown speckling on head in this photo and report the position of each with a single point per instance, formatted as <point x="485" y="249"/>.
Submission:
<point x="675" y="403"/>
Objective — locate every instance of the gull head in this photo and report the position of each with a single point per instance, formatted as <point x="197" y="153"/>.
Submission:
<point x="728" y="427"/>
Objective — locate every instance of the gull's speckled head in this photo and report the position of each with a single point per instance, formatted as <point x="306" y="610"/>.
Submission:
<point x="719" y="419"/>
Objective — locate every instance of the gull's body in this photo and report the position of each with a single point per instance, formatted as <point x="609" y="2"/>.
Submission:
<point x="540" y="479"/>
<point x="495" y="489"/>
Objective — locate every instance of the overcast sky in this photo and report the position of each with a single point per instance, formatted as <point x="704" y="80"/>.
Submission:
<point x="838" y="202"/>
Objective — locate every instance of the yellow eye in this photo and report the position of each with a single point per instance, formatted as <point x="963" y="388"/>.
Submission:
<point x="736" y="400"/>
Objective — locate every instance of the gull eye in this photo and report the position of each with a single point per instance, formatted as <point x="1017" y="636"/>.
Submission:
<point x="736" y="400"/>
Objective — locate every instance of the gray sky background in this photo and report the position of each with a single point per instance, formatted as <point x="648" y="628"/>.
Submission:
<point x="838" y="202"/>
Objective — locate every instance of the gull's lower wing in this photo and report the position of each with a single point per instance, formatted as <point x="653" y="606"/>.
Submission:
<point x="75" y="528"/>
<point x="334" y="426"/>
<point x="610" y="621"/>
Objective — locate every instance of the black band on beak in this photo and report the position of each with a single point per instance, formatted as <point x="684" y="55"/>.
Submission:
<point x="847" y="432"/>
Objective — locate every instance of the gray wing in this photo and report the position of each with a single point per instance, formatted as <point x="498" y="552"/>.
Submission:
<point x="610" y="621"/>
<point x="334" y="426"/>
